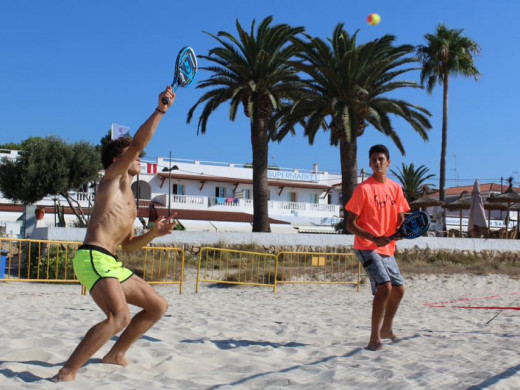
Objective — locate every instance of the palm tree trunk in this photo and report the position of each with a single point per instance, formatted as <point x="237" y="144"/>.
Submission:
<point x="444" y="146"/>
<point x="348" y="155"/>
<point x="259" y="142"/>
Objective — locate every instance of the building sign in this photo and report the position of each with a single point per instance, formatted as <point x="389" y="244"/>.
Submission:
<point x="494" y="223"/>
<point x="295" y="176"/>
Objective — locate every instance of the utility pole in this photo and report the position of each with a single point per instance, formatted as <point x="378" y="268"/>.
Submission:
<point x="455" y="170"/>
<point x="169" y="184"/>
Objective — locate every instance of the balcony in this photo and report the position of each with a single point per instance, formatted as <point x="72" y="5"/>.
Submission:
<point x="246" y="205"/>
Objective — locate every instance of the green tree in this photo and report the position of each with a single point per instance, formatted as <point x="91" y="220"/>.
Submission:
<point x="252" y="71"/>
<point x="413" y="180"/>
<point x="446" y="53"/>
<point x="49" y="166"/>
<point x="105" y="140"/>
<point x="11" y="146"/>
<point x="348" y="89"/>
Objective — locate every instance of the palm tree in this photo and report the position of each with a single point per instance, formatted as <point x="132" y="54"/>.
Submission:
<point x="347" y="90"/>
<point x="446" y="53"/>
<point x="413" y="180"/>
<point x="253" y="71"/>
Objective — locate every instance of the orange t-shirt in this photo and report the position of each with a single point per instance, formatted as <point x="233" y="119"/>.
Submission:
<point x="377" y="206"/>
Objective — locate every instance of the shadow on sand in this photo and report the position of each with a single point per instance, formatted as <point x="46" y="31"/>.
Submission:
<point x="28" y="377"/>
<point x="511" y="371"/>
<point x="299" y="366"/>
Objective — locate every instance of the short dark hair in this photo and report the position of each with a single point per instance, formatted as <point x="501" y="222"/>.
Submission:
<point x="379" y="149"/>
<point x="113" y="149"/>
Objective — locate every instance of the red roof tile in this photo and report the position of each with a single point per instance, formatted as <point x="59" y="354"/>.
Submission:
<point x="485" y="187"/>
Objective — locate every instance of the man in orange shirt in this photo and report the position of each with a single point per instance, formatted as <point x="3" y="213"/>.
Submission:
<point x="375" y="211"/>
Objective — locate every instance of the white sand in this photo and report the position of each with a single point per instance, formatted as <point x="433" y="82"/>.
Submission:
<point x="303" y="337"/>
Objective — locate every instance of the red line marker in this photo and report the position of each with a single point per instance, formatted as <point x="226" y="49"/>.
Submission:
<point x="448" y="303"/>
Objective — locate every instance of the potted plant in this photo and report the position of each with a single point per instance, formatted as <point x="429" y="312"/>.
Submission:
<point x="40" y="213"/>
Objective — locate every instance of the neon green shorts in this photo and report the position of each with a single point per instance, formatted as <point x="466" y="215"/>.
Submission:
<point x="93" y="263"/>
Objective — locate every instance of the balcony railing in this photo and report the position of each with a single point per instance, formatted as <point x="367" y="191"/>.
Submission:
<point x="237" y="204"/>
<point x="189" y="200"/>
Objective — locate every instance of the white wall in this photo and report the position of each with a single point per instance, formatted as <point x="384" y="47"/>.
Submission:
<point x="273" y="239"/>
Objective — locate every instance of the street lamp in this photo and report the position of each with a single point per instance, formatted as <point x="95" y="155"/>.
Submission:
<point x="169" y="170"/>
<point x="137" y="192"/>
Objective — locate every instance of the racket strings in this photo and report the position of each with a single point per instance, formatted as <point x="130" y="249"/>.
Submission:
<point x="416" y="224"/>
<point x="186" y="67"/>
<point x="187" y="70"/>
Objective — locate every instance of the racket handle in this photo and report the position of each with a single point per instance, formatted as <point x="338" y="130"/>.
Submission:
<point x="165" y="100"/>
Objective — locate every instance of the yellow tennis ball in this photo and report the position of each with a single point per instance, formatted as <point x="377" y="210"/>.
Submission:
<point x="373" y="19"/>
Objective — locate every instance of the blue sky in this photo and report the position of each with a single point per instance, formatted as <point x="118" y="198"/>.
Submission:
<point x="71" y="68"/>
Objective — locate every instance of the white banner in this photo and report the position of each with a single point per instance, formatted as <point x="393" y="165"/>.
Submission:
<point x="119" y="131"/>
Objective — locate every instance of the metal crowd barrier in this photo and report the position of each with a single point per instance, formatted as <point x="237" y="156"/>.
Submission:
<point x="234" y="267"/>
<point x="318" y="268"/>
<point x="43" y="261"/>
<point x="37" y="260"/>
<point x="157" y="265"/>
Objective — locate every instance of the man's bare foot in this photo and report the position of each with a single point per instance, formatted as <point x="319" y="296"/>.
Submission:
<point x="118" y="359"/>
<point x="64" y="375"/>
<point x="374" y="346"/>
<point x="388" y="335"/>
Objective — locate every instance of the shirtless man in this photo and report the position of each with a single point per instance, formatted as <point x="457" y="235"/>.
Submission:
<point x="375" y="211"/>
<point x="111" y="285"/>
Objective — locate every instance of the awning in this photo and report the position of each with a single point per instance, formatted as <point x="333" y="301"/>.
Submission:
<point x="221" y="226"/>
<point x="197" y="226"/>
<point x="277" y="228"/>
<point x="232" y="226"/>
<point x="316" y="229"/>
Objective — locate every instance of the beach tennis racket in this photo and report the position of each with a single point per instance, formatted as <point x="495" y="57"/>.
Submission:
<point x="414" y="225"/>
<point x="185" y="69"/>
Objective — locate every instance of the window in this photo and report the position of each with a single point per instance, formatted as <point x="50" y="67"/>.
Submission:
<point x="292" y="196"/>
<point x="247" y="194"/>
<point x="314" y="198"/>
<point x="220" y="192"/>
<point x="178" y="189"/>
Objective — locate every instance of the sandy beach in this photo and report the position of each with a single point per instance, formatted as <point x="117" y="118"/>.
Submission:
<point x="302" y="337"/>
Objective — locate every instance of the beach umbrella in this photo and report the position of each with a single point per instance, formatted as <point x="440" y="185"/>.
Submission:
<point x="509" y="197"/>
<point x="477" y="215"/>
<point x="462" y="203"/>
<point x="425" y="202"/>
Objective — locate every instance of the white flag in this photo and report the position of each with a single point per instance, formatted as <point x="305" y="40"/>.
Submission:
<point x="119" y="131"/>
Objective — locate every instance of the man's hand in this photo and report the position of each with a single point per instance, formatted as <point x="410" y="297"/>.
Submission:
<point x="381" y="241"/>
<point x="169" y="95"/>
<point x="164" y="226"/>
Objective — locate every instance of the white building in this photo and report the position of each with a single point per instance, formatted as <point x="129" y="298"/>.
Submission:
<point x="209" y="196"/>
<point x="200" y="192"/>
